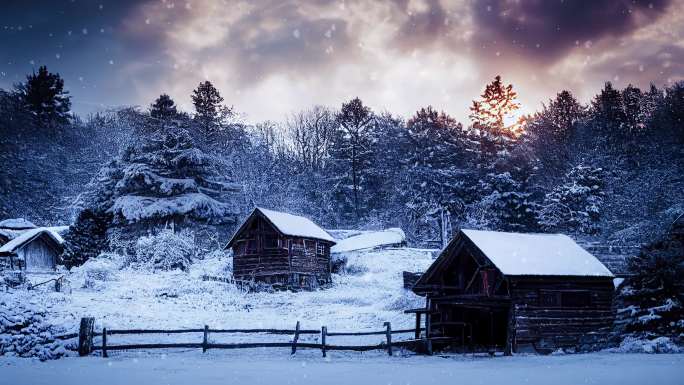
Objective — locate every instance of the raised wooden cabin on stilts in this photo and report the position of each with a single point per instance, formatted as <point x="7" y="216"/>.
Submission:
<point x="281" y="249"/>
<point x="494" y="291"/>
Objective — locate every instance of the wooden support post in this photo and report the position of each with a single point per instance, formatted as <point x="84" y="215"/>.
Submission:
<point x="296" y="337"/>
<point x="463" y="344"/>
<point x="205" y="341"/>
<point x="324" y="332"/>
<point x="104" y="343"/>
<point x="417" y="325"/>
<point x="85" y="336"/>
<point x="510" y="332"/>
<point x="389" y="337"/>
<point x="492" y="347"/>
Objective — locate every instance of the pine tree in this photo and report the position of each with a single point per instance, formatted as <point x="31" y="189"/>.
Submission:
<point x="163" y="180"/>
<point x="207" y="101"/>
<point x="163" y="108"/>
<point x="550" y="131"/>
<point x="489" y="116"/>
<point x="350" y="156"/>
<point x="631" y="100"/>
<point x="608" y="110"/>
<point x="86" y="238"/>
<point x="576" y="204"/>
<point x="44" y="95"/>
<point x="437" y="178"/>
<point x="654" y="296"/>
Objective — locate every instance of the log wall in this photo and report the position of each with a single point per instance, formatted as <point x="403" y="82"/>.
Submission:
<point x="551" y="313"/>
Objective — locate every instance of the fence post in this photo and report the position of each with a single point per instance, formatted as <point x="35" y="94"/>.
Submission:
<point x="389" y="337"/>
<point x="206" y="338"/>
<point x="296" y="337"/>
<point x="104" y="343"/>
<point x="85" y="336"/>
<point x="324" y="331"/>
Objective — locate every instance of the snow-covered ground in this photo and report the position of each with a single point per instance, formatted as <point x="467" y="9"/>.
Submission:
<point x="260" y="367"/>
<point x="364" y="297"/>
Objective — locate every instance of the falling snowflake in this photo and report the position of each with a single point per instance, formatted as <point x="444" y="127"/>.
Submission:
<point x="296" y="34"/>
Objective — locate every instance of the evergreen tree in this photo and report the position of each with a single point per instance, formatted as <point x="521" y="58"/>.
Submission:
<point x="634" y="117"/>
<point x="489" y="116"/>
<point x="576" y="204"/>
<point x="86" y="238"/>
<point x="608" y="110"/>
<point x="437" y="178"/>
<point x="44" y="95"/>
<point x="163" y="108"/>
<point x="549" y="132"/>
<point x="207" y="101"/>
<point x="674" y="109"/>
<point x="654" y="296"/>
<point x="350" y="156"/>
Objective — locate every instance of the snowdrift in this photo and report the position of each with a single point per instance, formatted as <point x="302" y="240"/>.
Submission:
<point x="370" y="240"/>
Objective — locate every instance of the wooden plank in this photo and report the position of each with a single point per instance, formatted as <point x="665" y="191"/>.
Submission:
<point x="85" y="336"/>
<point x="104" y="342"/>
<point x="205" y="339"/>
<point x="296" y="337"/>
<point x="324" y="331"/>
<point x="389" y="337"/>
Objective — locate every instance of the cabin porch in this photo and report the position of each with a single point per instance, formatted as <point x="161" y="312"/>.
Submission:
<point x="465" y="323"/>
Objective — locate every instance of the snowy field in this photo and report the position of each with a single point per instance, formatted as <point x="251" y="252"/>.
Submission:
<point x="260" y="367"/>
<point x="364" y="297"/>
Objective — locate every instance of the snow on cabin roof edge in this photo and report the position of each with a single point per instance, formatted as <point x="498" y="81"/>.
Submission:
<point x="536" y="254"/>
<point x="28" y="235"/>
<point x="295" y="225"/>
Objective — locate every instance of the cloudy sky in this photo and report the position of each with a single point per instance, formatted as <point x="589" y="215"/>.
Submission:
<point x="269" y="58"/>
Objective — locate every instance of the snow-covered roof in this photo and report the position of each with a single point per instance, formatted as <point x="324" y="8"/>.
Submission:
<point x="28" y="235"/>
<point x="16" y="224"/>
<point x="369" y="240"/>
<point x="295" y="225"/>
<point x="536" y="254"/>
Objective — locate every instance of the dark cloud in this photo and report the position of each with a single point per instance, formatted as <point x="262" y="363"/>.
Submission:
<point x="544" y="30"/>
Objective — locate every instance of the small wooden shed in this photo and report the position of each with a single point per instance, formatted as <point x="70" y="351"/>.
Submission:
<point x="34" y="250"/>
<point x="513" y="292"/>
<point x="285" y="250"/>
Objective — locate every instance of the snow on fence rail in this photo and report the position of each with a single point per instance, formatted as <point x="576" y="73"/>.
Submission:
<point x="87" y="333"/>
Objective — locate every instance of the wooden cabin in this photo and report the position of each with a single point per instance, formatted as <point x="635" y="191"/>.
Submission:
<point x="34" y="250"/>
<point x="281" y="249"/>
<point x="510" y="292"/>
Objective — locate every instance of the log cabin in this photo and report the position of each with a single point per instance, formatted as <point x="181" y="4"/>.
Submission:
<point x="33" y="250"/>
<point x="494" y="291"/>
<point x="281" y="249"/>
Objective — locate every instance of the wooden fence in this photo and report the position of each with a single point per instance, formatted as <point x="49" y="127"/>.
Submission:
<point x="86" y="335"/>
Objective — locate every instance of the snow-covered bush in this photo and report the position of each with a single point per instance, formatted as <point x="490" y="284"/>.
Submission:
<point x="100" y="269"/>
<point x="166" y="250"/>
<point x="24" y="332"/>
<point x="644" y="345"/>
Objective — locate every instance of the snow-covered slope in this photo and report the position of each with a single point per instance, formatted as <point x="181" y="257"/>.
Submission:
<point x="126" y="298"/>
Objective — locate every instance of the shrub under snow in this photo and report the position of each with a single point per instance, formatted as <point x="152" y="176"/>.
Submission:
<point x="24" y="333"/>
<point x="166" y="250"/>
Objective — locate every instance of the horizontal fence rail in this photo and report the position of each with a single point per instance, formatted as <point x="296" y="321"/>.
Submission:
<point x="87" y="333"/>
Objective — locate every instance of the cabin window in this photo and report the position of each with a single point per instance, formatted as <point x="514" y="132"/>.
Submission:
<point x="320" y="249"/>
<point x="251" y="246"/>
<point x="270" y="242"/>
<point x="282" y="243"/>
<point x="575" y="298"/>
<point x="548" y="298"/>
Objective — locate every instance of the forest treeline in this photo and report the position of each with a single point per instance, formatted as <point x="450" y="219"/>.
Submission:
<point x="610" y="170"/>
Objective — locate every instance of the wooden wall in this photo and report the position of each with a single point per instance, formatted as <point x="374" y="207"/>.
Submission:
<point x="550" y="313"/>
